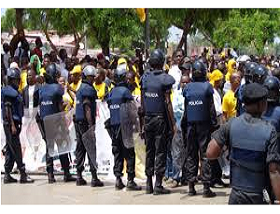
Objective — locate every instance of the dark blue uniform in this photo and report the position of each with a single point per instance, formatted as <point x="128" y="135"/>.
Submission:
<point x="253" y="144"/>
<point x="154" y="85"/>
<point x="50" y="97"/>
<point x="119" y="95"/>
<point x="86" y="95"/>
<point x="200" y="117"/>
<point x="12" y="99"/>
<point x="239" y="105"/>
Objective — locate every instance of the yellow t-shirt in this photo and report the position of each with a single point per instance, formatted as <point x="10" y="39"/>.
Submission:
<point x="229" y="104"/>
<point x="42" y="71"/>
<point x="70" y="102"/>
<point x="101" y="90"/>
<point x="137" y="91"/>
<point x="75" y="87"/>
<point x="23" y="80"/>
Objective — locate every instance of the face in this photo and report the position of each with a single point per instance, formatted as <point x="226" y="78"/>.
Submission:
<point x="46" y="61"/>
<point x="61" y="81"/>
<point x="76" y="78"/>
<point x="35" y="62"/>
<point x="130" y="78"/>
<point x="178" y="57"/>
<point x="31" y="77"/>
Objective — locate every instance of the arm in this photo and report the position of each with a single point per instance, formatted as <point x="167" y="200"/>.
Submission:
<point x="274" y="174"/>
<point x="9" y="117"/>
<point x="170" y="113"/>
<point x="219" y="139"/>
<point x="87" y="110"/>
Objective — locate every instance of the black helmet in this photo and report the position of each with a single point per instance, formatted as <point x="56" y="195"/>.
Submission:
<point x="260" y="73"/>
<point x="273" y="85"/>
<point x="120" y="75"/>
<point x="52" y="73"/>
<point x="156" y="58"/>
<point x="13" y="73"/>
<point x="199" y="70"/>
<point x="249" y="70"/>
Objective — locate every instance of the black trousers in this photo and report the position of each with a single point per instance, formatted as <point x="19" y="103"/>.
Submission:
<point x="216" y="171"/>
<point x="64" y="159"/>
<point x="120" y="153"/>
<point x="156" y="145"/>
<point x="12" y="149"/>
<point x="80" y="152"/>
<point x="197" y="137"/>
<point x="242" y="197"/>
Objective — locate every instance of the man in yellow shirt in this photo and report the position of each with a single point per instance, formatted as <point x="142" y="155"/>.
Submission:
<point x="76" y="78"/>
<point x="23" y="74"/>
<point x="99" y="84"/>
<point x="229" y="100"/>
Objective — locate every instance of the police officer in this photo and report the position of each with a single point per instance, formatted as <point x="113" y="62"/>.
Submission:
<point x="253" y="143"/>
<point x="121" y="94"/>
<point x="248" y="70"/>
<point x="50" y="101"/>
<point x="260" y="74"/>
<point x="200" y="116"/>
<point x="85" y="120"/>
<point x="159" y="119"/>
<point x="12" y="113"/>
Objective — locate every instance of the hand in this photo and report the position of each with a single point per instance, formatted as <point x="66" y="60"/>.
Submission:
<point x="14" y="130"/>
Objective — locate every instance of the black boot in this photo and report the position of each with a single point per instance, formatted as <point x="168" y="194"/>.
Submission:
<point x="119" y="184"/>
<point x="207" y="192"/>
<point x="51" y="178"/>
<point x="159" y="189"/>
<point x="192" y="191"/>
<point x="149" y="185"/>
<point x="68" y="177"/>
<point x="25" y="179"/>
<point x="80" y="180"/>
<point x="95" y="182"/>
<point x="131" y="185"/>
<point x="9" y="179"/>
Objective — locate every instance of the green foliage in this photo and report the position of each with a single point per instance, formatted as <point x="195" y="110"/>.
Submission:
<point x="243" y="28"/>
<point x="8" y="21"/>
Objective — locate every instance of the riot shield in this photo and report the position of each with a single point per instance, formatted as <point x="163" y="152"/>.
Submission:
<point x="129" y="123"/>
<point x="59" y="133"/>
<point x="178" y="150"/>
<point x="89" y="141"/>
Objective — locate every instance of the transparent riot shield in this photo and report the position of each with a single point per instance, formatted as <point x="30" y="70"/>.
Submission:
<point x="89" y="141"/>
<point x="59" y="133"/>
<point x="129" y="123"/>
<point x="178" y="150"/>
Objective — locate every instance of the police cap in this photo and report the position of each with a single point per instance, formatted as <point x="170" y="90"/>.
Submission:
<point x="254" y="92"/>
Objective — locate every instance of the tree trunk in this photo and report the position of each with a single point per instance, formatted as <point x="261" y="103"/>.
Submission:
<point x="157" y="40"/>
<point x="19" y="17"/>
<point x="50" y="41"/>
<point x="187" y="26"/>
<point x="20" y="32"/>
<point x="105" y="49"/>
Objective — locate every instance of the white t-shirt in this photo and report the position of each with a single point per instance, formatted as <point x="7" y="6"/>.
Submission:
<point x="30" y="94"/>
<point x="176" y="73"/>
<point x="217" y="102"/>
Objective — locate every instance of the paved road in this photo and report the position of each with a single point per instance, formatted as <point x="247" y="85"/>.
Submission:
<point x="67" y="193"/>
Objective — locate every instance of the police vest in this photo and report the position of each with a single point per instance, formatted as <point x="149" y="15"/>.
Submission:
<point x="248" y="154"/>
<point x="154" y="84"/>
<point x="272" y="115"/>
<point x="117" y="96"/>
<point x="50" y="97"/>
<point x="12" y="96"/>
<point x="86" y="91"/>
<point x="197" y="101"/>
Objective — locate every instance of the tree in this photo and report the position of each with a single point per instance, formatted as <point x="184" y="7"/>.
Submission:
<point x="8" y="21"/>
<point x="251" y="28"/>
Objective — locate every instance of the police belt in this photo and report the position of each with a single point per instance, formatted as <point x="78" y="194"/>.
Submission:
<point x="158" y="114"/>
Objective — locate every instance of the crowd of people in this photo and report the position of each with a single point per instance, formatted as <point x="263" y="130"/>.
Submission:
<point x="184" y="100"/>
